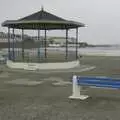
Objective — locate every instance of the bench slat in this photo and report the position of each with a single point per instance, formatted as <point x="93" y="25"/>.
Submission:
<point x="96" y="78"/>
<point x="99" y="82"/>
<point x="99" y="85"/>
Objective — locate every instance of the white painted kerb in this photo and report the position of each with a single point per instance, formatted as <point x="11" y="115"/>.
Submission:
<point x="42" y="66"/>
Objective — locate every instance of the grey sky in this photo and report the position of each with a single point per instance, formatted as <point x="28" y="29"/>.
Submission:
<point x="101" y="16"/>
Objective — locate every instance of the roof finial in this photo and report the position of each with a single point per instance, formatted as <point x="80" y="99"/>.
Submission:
<point x="42" y="8"/>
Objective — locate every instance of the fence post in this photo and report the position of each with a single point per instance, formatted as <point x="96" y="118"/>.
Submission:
<point x="76" y="90"/>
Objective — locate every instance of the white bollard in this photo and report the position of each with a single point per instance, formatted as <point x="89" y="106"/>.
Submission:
<point x="77" y="90"/>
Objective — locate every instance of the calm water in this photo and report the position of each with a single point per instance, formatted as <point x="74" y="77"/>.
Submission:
<point x="112" y="51"/>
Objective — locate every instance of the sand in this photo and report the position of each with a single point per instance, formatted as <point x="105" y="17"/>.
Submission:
<point x="49" y="99"/>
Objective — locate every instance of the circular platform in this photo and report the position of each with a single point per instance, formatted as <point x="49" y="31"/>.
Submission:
<point x="42" y="66"/>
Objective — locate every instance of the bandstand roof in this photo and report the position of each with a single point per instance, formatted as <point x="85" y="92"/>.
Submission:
<point x="42" y="20"/>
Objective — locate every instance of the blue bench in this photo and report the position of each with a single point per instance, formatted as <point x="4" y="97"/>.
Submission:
<point x="102" y="82"/>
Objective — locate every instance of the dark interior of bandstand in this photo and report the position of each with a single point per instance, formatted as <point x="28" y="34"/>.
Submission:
<point x="39" y="51"/>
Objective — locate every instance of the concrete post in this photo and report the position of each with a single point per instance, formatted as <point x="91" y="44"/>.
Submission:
<point x="77" y="90"/>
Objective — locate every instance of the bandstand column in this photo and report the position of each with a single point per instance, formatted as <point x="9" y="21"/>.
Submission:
<point x="66" y="57"/>
<point x="9" y="57"/>
<point x="22" y="44"/>
<point x="76" y="43"/>
<point x="45" y="43"/>
<point x="13" y="46"/>
<point x="39" y="45"/>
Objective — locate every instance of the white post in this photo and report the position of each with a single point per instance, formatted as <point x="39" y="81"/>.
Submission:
<point x="77" y="90"/>
<point x="76" y="87"/>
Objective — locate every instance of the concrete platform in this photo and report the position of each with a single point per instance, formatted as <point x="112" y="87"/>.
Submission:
<point x="43" y="66"/>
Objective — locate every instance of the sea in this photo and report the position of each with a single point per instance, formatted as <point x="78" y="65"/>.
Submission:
<point x="104" y="51"/>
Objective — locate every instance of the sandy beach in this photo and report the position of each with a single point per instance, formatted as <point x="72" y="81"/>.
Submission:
<point x="34" y="96"/>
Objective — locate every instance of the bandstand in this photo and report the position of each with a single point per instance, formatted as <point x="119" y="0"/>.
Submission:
<point x="39" y="52"/>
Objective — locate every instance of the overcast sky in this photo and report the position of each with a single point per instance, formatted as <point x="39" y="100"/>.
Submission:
<point x="101" y="16"/>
